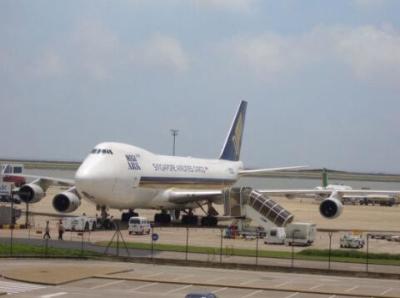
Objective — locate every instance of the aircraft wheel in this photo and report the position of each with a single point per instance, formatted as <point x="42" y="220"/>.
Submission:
<point x="162" y="218"/>
<point x="189" y="220"/>
<point x="209" y="221"/>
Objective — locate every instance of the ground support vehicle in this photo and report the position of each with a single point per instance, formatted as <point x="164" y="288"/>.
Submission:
<point x="351" y="241"/>
<point x="139" y="225"/>
<point x="300" y="233"/>
<point x="79" y="223"/>
<point x="275" y="236"/>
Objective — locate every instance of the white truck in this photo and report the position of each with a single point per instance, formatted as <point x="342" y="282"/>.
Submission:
<point x="10" y="182"/>
<point x="139" y="225"/>
<point x="300" y="233"/>
<point x="79" y="223"/>
<point x="275" y="235"/>
<point x="351" y="241"/>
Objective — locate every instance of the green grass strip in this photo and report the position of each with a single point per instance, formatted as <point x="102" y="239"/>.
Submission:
<point x="40" y="250"/>
<point x="348" y="256"/>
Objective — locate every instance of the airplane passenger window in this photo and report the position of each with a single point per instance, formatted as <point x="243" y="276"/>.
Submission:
<point x="104" y="151"/>
<point x="94" y="150"/>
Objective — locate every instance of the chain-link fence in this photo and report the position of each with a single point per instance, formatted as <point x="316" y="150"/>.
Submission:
<point x="331" y="250"/>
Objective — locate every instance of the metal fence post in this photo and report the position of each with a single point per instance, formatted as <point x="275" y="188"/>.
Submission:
<point x="117" y="240"/>
<point x="187" y="243"/>
<point x="330" y="248"/>
<point x="220" y="249"/>
<point x="152" y="243"/>
<point x="258" y="236"/>
<point x="46" y="246"/>
<point x="82" y="242"/>
<point x="366" y="263"/>
<point x="11" y="224"/>
<point x="292" y="259"/>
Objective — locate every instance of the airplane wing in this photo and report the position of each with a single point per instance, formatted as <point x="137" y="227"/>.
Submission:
<point x="260" y="172"/>
<point x="49" y="180"/>
<point x="190" y="196"/>
<point x="312" y="193"/>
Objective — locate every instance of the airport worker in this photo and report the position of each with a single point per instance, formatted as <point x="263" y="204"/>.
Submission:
<point x="60" y="230"/>
<point x="47" y="231"/>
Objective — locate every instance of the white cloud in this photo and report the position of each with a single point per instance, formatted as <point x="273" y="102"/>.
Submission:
<point x="369" y="4"/>
<point x="371" y="52"/>
<point x="48" y="64"/>
<point x="93" y="51"/>
<point x="368" y="52"/>
<point x="243" y="6"/>
<point x="162" y="52"/>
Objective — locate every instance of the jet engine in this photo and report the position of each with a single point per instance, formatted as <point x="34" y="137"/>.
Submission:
<point x="331" y="207"/>
<point x="30" y="193"/>
<point x="67" y="201"/>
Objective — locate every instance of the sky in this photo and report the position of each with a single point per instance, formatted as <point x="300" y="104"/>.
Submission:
<point x="322" y="79"/>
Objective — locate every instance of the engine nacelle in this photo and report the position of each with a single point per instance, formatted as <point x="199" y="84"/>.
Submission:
<point x="67" y="201"/>
<point x="331" y="208"/>
<point x="30" y="193"/>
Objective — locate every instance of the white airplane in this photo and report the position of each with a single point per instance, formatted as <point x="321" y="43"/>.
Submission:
<point x="123" y="176"/>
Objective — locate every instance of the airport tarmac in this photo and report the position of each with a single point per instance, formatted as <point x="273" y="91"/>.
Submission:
<point x="356" y="218"/>
<point x="115" y="279"/>
<point x="305" y="210"/>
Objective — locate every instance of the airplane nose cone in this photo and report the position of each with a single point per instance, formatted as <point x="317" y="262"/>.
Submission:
<point x="83" y="178"/>
<point x="88" y="175"/>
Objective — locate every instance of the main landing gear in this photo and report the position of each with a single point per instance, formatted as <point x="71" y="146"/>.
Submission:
<point x="162" y="218"/>
<point x="125" y="216"/>
<point x="210" y="220"/>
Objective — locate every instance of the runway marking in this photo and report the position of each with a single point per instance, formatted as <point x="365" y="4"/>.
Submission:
<point x="328" y="280"/>
<point x="283" y="284"/>
<point x="316" y="287"/>
<point x="292" y="295"/>
<point x="386" y="291"/>
<point x="253" y="293"/>
<point x="249" y="281"/>
<point x="153" y="275"/>
<point x="177" y="290"/>
<point x="219" y="290"/>
<point x="54" y="295"/>
<point x="351" y="289"/>
<point x="18" y="287"/>
<point x="143" y="286"/>
<point x="107" y="284"/>
<point x="181" y="277"/>
<point x="216" y="279"/>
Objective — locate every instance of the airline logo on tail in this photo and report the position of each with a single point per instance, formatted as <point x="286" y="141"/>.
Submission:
<point x="233" y="143"/>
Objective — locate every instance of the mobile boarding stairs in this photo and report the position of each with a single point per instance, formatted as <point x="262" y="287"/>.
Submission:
<point x="247" y="203"/>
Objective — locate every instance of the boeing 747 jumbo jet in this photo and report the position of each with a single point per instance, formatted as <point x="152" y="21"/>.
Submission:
<point x="123" y="176"/>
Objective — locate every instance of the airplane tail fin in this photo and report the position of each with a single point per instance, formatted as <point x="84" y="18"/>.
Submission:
<point x="233" y="142"/>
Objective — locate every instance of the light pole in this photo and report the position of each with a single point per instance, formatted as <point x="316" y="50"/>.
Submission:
<point x="174" y="133"/>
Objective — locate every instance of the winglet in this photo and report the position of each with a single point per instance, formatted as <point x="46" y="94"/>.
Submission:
<point x="233" y="142"/>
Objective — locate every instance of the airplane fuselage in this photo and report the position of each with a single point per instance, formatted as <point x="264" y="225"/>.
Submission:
<point x="122" y="176"/>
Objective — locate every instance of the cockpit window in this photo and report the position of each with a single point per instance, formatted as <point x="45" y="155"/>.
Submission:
<point x="101" y="151"/>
